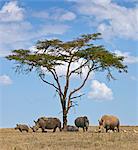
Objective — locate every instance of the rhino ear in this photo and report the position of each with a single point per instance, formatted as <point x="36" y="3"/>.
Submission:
<point x="16" y="124"/>
<point x="34" y="121"/>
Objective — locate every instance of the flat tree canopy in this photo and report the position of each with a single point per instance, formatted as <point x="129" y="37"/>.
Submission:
<point x="50" y="54"/>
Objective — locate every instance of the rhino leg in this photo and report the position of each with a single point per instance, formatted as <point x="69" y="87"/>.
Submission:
<point x="113" y="129"/>
<point x="20" y="130"/>
<point x="60" y="129"/>
<point x="83" y="129"/>
<point x="118" y="128"/>
<point x="86" y="128"/>
<point x="43" y="130"/>
<point x="107" y="128"/>
<point x="55" y="129"/>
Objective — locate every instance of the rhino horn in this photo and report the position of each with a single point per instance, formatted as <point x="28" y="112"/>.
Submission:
<point x="31" y="127"/>
<point x="34" y="121"/>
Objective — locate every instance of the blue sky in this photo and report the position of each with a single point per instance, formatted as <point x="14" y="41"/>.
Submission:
<point x="24" y="98"/>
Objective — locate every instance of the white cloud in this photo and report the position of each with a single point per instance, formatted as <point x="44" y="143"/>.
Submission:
<point x="18" y="32"/>
<point x="53" y="29"/>
<point x="11" y="12"/>
<point x="128" y="58"/>
<point x="55" y="14"/>
<point x="14" y="32"/>
<point x="112" y="19"/>
<point x="14" y="36"/>
<point x="5" y="80"/>
<point x="61" y="70"/>
<point x="100" y="91"/>
<point x="102" y="2"/>
<point x="41" y="14"/>
<point x="68" y="16"/>
<point x="23" y="31"/>
<point x="20" y="35"/>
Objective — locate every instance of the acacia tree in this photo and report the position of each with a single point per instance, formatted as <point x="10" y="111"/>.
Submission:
<point x="52" y="54"/>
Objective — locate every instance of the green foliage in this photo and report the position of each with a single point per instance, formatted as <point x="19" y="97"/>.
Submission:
<point x="51" y="53"/>
<point x="102" y="57"/>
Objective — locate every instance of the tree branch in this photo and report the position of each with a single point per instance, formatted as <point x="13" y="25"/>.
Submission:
<point x="77" y="96"/>
<point x="67" y="78"/>
<point x="58" y="83"/>
<point x="70" y="102"/>
<point x="109" y="75"/>
<point x="83" y="83"/>
<point x="73" y="71"/>
<point x="40" y="75"/>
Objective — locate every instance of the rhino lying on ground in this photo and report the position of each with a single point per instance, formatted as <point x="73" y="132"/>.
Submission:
<point x="47" y="123"/>
<point x="109" y="122"/>
<point x="72" y="128"/>
<point x="22" y="127"/>
<point x="82" y="122"/>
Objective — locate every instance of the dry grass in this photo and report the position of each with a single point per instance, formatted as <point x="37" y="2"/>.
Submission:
<point x="11" y="139"/>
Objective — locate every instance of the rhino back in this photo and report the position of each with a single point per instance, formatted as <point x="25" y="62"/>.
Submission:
<point x="79" y="122"/>
<point x="49" y="123"/>
<point x="25" y="127"/>
<point x="111" y="121"/>
<point x="22" y="127"/>
<point x="52" y="123"/>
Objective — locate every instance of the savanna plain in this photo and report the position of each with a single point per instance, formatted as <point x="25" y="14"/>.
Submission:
<point x="126" y="139"/>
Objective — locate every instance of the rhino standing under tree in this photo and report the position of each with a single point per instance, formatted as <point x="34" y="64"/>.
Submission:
<point x="22" y="127"/>
<point x="82" y="122"/>
<point x="109" y="122"/>
<point x="82" y="53"/>
<point x="47" y="123"/>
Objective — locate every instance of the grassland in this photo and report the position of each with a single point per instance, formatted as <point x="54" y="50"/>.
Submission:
<point x="11" y="139"/>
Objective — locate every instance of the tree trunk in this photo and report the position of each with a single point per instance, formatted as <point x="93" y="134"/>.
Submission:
<point x="64" y="119"/>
